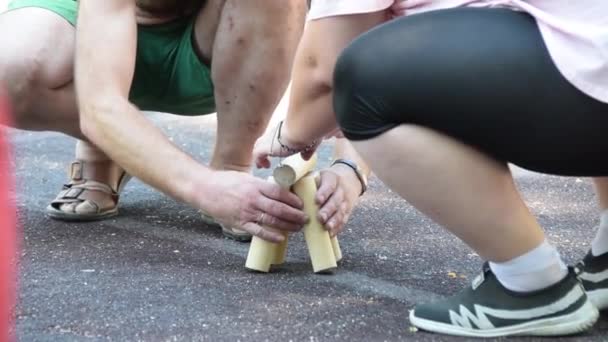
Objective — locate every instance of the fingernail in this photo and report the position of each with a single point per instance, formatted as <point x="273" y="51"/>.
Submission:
<point x="323" y="217"/>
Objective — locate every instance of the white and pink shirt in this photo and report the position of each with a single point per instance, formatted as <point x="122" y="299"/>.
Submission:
<point x="575" y="31"/>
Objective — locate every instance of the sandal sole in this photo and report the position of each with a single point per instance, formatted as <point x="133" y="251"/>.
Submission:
<point x="59" y="215"/>
<point x="236" y="237"/>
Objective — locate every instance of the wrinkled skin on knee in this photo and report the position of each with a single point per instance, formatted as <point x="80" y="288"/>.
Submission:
<point x="20" y="78"/>
<point x="36" y="66"/>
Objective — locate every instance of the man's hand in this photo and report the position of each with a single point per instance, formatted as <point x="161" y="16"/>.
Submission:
<point x="242" y="201"/>
<point x="339" y="190"/>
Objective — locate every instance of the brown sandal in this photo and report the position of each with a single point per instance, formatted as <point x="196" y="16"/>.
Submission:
<point x="99" y="198"/>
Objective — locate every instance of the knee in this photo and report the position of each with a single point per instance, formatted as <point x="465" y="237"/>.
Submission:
<point x="21" y="76"/>
<point x="252" y="34"/>
<point x="268" y="18"/>
<point x="262" y="22"/>
<point x="284" y="25"/>
<point x="280" y="11"/>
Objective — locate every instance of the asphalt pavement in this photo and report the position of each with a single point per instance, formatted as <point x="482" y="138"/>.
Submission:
<point x="158" y="273"/>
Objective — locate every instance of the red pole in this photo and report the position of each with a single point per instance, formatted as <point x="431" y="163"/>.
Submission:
<point x="7" y="233"/>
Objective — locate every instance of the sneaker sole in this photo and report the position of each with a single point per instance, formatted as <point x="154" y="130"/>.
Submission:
<point x="599" y="298"/>
<point x="573" y="323"/>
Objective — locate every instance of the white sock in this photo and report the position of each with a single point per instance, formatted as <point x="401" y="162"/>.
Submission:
<point x="534" y="270"/>
<point x="599" y="245"/>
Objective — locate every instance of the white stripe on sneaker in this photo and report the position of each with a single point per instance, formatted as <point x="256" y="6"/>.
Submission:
<point x="480" y="318"/>
<point x="594" y="277"/>
<point x="599" y="298"/>
<point x="575" y="322"/>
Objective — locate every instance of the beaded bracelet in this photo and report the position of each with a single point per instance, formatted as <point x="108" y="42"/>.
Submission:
<point x="291" y="149"/>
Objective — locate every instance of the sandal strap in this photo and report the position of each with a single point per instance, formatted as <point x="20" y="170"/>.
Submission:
<point x="76" y="171"/>
<point x="73" y="193"/>
<point x="81" y="171"/>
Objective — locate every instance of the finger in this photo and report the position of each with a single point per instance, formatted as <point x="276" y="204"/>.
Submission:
<point x="331" y="206"/>
<point x="281" y="211"/>
<point x="277" y="223"/>
<point x="335" y="223"/>
<point x="327" y="186"/>
<point x="263" y="233"/>
<point x="274" y="192"/>
<point x="344" y="207"/>
<point x="340" y="227"/>
<point x="318" y="179"/>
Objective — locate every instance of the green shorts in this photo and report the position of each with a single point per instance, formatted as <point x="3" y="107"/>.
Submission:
<point x="169" y="76"/>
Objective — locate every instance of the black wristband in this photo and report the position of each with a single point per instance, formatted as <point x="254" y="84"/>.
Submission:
<point x="355" y="168"/>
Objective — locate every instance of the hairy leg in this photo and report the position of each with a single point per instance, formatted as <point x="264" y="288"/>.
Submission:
<point x="251" y="45"/>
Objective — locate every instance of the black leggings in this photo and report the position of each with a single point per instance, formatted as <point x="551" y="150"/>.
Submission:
<point x="481" y="76"/>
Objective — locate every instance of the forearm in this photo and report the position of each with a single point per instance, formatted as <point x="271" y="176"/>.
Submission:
<point x="132" y="141"/>
<point x="103" y="79"/>
<point x="310" y="116"/>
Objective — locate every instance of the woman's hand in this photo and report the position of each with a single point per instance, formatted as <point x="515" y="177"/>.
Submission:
<point x="338" y="193"/>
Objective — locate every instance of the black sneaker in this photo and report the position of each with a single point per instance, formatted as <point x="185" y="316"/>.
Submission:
<point x="487" y="309"/>
<point x="593" y="272"/>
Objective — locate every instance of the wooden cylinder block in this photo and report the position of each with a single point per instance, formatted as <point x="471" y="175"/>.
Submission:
<point x="281" y="251"/>
<point x="319" y="243"/>
<point x="262" y="254"/>
<point x="292" y="169"/>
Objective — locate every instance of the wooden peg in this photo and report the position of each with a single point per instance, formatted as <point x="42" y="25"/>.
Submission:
<point x="263" y="254"/>
<point x="292" y="169"/>
<point x="281" y="251"/>
<point x="322" y="254"/>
